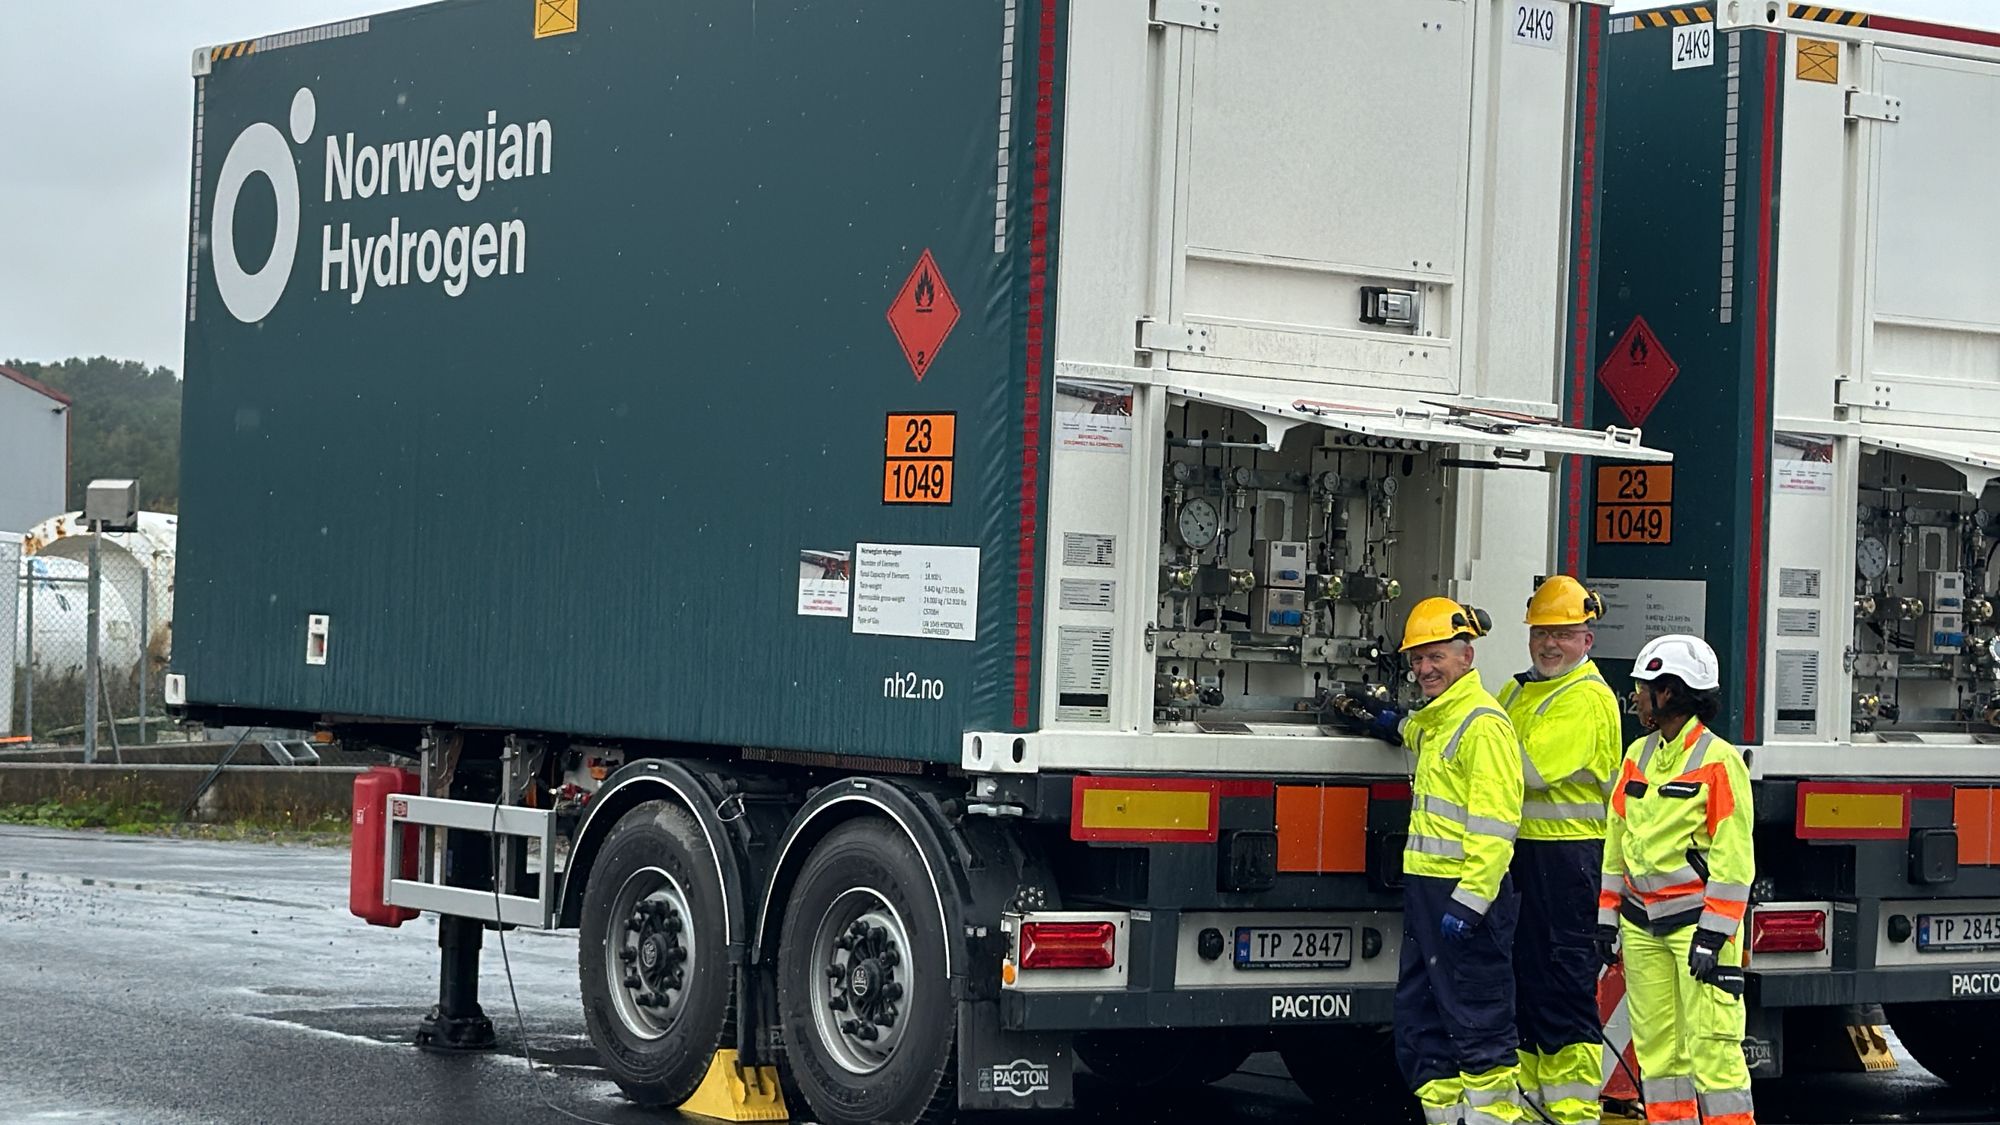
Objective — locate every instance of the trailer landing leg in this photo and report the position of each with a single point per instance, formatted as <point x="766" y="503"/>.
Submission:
<point x="457" y="1023"/>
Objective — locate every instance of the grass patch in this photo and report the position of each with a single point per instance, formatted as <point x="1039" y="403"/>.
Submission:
<point x="149" y="819"/>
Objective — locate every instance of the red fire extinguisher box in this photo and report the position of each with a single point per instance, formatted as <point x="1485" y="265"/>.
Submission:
<point x="365" y="890"/>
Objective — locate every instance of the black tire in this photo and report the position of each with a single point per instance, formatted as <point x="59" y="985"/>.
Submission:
<point x="655" y="865"/>
<point x="1352" y="1068"/>
<point x="866" y="871"/>
<point x="1949" y="1039"/>
<point x="1165" y="1061"/>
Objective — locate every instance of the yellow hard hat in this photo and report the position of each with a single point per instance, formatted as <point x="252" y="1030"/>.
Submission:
<point x="1441" y="619"/>
<point x="1562" y="600"/>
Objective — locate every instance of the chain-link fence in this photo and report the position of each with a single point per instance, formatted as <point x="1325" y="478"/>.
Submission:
<point x="49" y="650"/>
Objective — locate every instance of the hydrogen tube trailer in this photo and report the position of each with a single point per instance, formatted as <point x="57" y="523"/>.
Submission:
<point x="863" y="510"/>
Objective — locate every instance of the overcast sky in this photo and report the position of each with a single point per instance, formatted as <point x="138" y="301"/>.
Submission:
<point x="96" y="115"/>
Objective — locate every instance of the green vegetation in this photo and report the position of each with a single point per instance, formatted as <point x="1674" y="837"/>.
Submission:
<point x="149" y="819"/>
<point x="125" y="423"/>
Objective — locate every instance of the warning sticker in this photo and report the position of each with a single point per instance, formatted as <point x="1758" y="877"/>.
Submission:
<point x="1638" y="371"/>
<point x="1798" y="692"/>
<point x="922" y="315"/>
<point x="1798" y="582"/>
<point x="1093" y="415"/>
<point x="825" y="577"/>
<point x="917" y="465"/>
<point x="554" y="17"/>
<point x="1803" y="464"/>
<point x="1819" y="61"/>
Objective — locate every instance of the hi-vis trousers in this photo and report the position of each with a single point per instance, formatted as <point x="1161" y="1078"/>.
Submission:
<point x="1688" y="1035"/>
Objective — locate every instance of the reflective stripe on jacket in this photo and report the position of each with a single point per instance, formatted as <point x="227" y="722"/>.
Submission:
<point x="1679" y="848"/>
<point x="1569" y="728"/>
<point x="1465" y="802"/>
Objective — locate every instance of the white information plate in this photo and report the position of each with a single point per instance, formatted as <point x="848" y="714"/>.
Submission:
<point x="916" y="590"/>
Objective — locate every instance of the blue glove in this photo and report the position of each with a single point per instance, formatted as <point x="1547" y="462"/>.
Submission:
<point x="1459" y="922"/>
<point x="1387" y="725"/>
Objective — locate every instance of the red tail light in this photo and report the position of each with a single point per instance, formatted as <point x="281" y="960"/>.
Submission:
<point x="1788" y="931"/>
<point x="1068" y="945"/>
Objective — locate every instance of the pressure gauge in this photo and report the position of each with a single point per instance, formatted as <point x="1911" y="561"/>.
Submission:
<point x="1388" y="487"/>
<point x="1198" y="523"/>
<point x="1871" y="557"/>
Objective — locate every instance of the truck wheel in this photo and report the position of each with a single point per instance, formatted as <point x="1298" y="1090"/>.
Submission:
<point x="650" y="955"/>
<point x="1353" y="1068"/>
<point x="1163" y="1060"/>
<point x="1946" y="1039"/>
<point x="867" y="1012"/>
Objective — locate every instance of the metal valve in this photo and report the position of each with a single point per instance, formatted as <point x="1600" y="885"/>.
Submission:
<point x="1177" y="580"/>
<point x="1864" y="606"/>
<point x="1367" y="588"/>
<point x="1899" y="609"/>
<point x="1242" y="581"/>
<point x="1169" y="690"/>
<point x="1325" y="587"/>
<point x="1980" y="609"/>
<point x="1867" y="703"/>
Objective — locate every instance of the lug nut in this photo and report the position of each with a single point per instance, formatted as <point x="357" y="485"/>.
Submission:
<point x="867" y="1032"/>
<point x="891" y="958"/>
<point x="850" y="1027"/>
<point x="838" y="1003"/>
<point x="835" y="972"/>
<point x="892" y="991"/>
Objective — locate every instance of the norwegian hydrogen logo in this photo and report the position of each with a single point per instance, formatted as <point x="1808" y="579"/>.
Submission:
<point x="260" y="150"/>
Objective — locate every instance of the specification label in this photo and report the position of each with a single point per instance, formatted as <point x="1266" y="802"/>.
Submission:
<point x="916" y="590"/>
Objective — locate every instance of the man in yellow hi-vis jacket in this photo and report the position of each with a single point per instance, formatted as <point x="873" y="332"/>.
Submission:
<point x="1569" y="725"/>
<point x="1455" y="1037"/>
<point x="1678" y="865"/>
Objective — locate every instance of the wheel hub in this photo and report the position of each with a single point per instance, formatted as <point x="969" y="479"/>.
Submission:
<point x="860" y="1015"/>
<point x="653" y="955"/>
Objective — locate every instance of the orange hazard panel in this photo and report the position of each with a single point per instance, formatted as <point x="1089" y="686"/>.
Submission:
<point x="1974" y="810"/>
<point x="1322" y="828"/>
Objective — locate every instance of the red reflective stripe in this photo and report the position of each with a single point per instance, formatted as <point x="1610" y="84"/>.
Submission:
<point x="1586" y="226"/>
<point x="1730" y="1119"/>
<point x="1934" y="30"/>
<point x="1760" y="408"/>
<point x="1664" y="1112"/>
<point x="1678" y="890"/>
<point x="1031" y="391"/>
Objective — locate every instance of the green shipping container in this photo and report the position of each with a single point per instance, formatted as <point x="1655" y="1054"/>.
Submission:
<point x="544" y="373"/>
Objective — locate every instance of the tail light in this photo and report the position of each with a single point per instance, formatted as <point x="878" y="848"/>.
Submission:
<point x="1068" y="945"/>
<point x="1788" y="931"/>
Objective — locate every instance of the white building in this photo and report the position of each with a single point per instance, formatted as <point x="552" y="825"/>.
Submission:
<point x="34" y="451"/>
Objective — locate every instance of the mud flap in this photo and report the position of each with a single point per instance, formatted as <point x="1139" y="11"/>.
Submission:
<point x="1764" y="1042"/>
<point x="999" y="1069"/>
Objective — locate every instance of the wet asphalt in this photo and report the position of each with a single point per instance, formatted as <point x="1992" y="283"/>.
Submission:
<point x="148" y="981"/>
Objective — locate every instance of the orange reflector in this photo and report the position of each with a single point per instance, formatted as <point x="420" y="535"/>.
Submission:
<point x="1322" y="828"/>
<point x="1144" y="810"/>
<point x="1842" y="811"/>
<point x="1974" y="812"/>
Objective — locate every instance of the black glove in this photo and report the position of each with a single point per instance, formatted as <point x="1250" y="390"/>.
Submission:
<point x="1460" y="921"/>
<point x="1607" y="945"/>
<point x="1705" y="955"/>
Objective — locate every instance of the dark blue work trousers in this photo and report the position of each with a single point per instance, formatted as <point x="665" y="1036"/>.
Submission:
<point x="1454" y="999"/>
<point x="1555" y="957"/>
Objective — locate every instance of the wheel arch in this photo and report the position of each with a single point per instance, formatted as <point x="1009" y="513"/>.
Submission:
<point x="653" y="780"/>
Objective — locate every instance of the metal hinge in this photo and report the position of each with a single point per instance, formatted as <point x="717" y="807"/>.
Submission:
<point x="1158" y="336"/>
<point x="1873" y="107"/>
<point x="1202" y="15"/>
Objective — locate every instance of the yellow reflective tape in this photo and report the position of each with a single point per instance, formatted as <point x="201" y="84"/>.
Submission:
<point x="1680" y="17"/>
<point x="1812" y="12"/>
<point x="1854" y="810"/>
<point x="1858" y="19"/>
<point x="1701" y="15"/>
<point x="1658" y="19"/>
<point x="1146" y="809"/>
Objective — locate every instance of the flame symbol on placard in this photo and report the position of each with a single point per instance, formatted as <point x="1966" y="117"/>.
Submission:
<point x="926" y="293"/>
<point x="1640" y="350"/>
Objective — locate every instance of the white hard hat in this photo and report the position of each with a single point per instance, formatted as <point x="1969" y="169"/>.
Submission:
<point x="1680" y="655"/>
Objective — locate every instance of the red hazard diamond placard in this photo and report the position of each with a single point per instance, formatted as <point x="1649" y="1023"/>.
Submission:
<point x="922" y="315"/>
<point x="1638" y="371"/>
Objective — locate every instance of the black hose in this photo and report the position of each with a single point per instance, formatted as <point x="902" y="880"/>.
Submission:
<point x="214" y="773"/>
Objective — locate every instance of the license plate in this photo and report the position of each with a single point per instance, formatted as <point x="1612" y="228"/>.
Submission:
<point x="1294" y="947"/>
<point x="1939" y="932"/>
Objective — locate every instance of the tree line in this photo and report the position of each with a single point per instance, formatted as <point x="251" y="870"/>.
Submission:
<point x="125" y="421"/>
